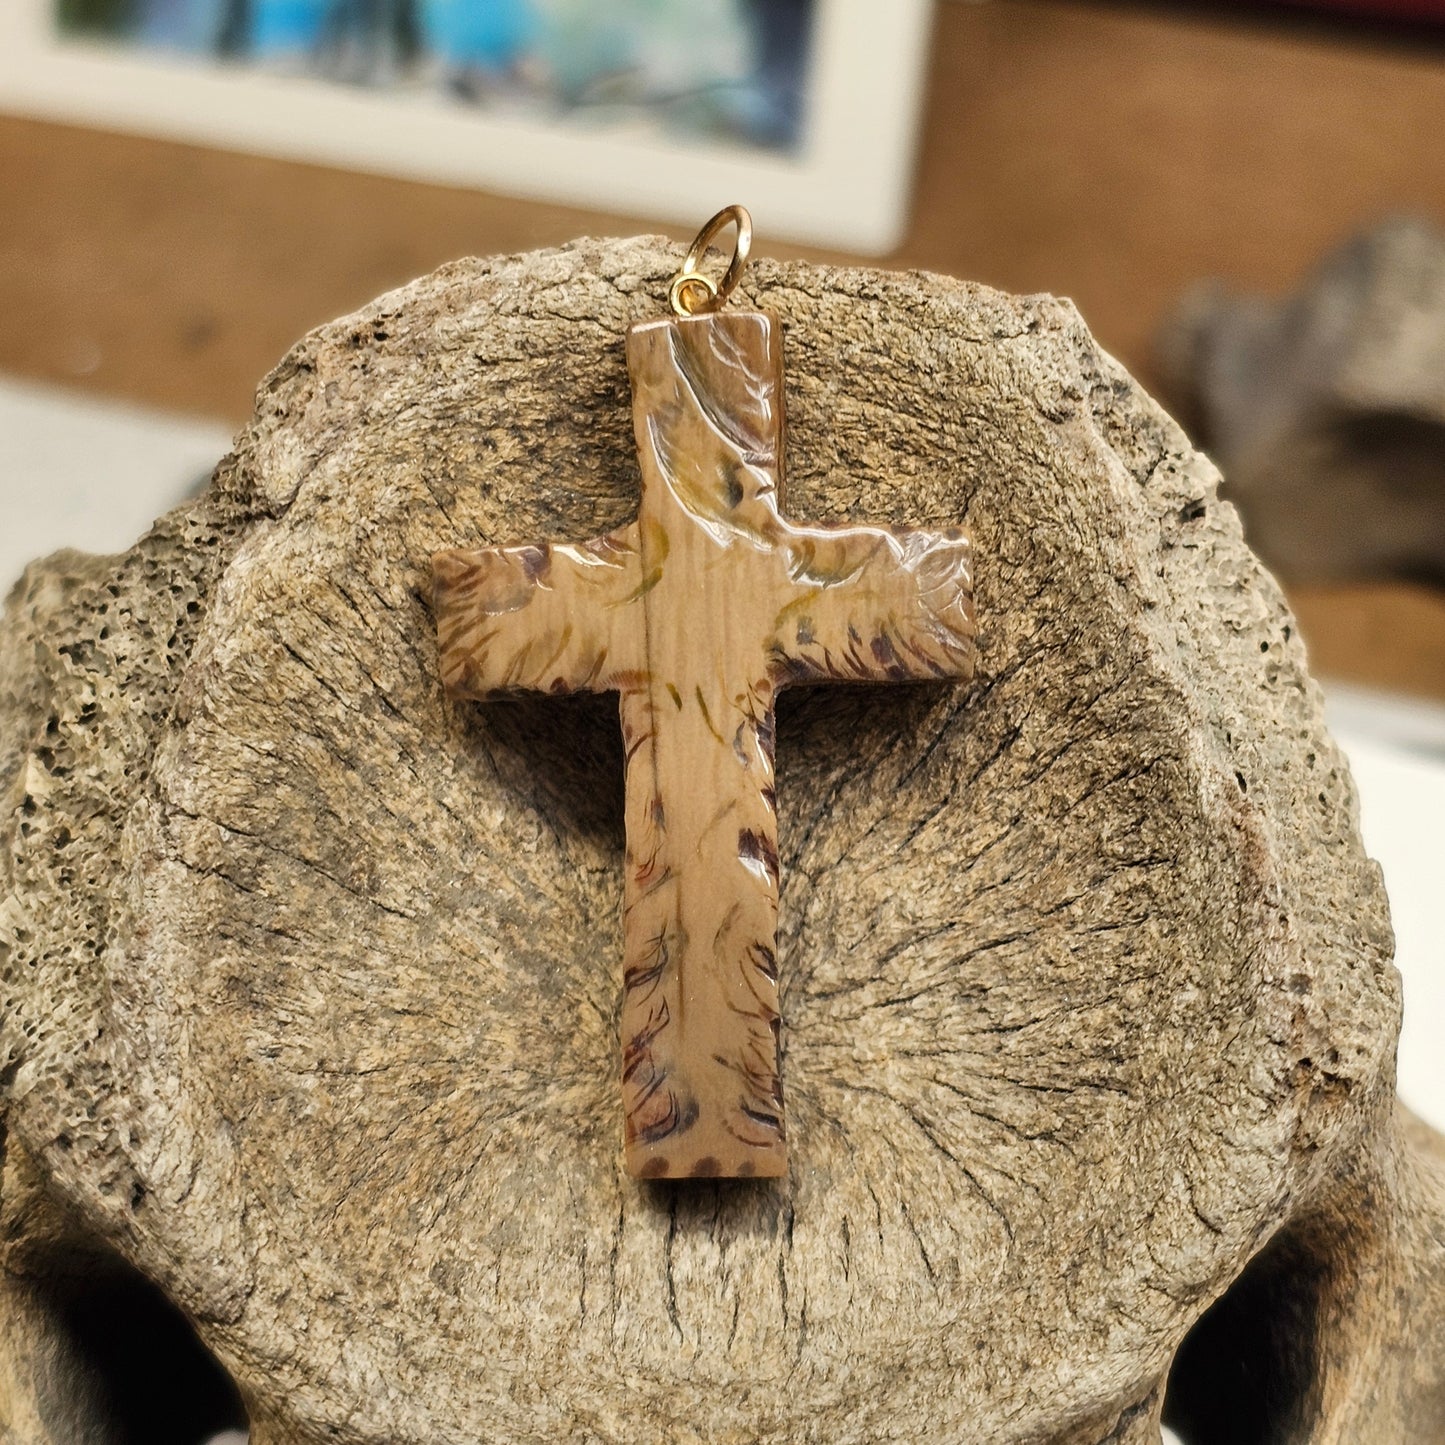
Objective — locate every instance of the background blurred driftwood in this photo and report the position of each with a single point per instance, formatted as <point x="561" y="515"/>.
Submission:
<point x="1326" y="410"/>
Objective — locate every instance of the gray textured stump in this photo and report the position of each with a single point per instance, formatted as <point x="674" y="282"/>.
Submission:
<point x="312" y="977"/>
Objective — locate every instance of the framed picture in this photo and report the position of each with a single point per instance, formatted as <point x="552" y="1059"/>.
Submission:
<point x="806" y="110"/>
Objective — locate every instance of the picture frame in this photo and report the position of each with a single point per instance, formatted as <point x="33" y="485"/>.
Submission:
<point x="844" y="182"/>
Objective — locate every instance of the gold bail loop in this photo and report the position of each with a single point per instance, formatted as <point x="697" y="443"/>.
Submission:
<point x="692" y="293"/>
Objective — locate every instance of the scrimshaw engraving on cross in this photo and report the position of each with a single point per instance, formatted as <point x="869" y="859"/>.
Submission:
<point x="697" y="613"/>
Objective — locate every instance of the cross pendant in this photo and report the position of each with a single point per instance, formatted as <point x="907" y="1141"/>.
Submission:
<point x="697" y="613"/>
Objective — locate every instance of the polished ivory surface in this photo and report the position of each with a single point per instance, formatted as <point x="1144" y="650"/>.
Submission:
<point x="697" y="614"/>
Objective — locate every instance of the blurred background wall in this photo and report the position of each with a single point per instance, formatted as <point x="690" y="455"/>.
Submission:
<point x="1113" y="154"/>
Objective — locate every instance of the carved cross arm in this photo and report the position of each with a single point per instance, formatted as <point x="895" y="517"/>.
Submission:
<point x="875" y="604"/>
<point x="539" y="616"/>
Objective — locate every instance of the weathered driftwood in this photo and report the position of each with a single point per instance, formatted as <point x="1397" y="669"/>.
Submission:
<point x="311" y="986"/>
<point x="1326" y="409"/>
<point x="698" y="613"/>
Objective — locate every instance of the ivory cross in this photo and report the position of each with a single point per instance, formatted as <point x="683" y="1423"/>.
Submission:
<point x="697" y="613"/>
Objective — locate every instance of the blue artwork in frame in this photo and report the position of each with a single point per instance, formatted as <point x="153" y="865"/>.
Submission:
<point x="734" y="71"/>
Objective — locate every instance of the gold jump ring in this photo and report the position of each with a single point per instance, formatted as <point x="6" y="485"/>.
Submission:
<point x="682" y="294"/>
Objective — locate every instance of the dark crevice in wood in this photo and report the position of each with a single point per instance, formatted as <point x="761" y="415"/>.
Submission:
<point x="1248" y="1373"/>
<point x="135" y="1353"/>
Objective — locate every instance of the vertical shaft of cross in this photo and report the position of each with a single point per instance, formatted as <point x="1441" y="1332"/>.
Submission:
<point x="701" y="1084"/>
<point x="701" y="1089"/>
